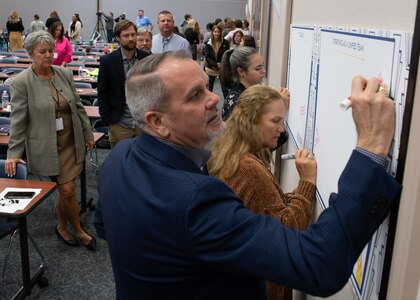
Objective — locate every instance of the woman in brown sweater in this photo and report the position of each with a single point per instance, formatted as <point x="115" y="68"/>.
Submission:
<point x="241" y="157"/>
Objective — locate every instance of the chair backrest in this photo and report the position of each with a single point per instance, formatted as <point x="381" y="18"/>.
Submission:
<point x="6" y="53"/>
<point x="86" y="102"/>
<point x="8" y="60"/>
<point x="20" y="51"/>
<point x="75" y="64"/>
<point x="95" y="102"/>
<point x="82" y="85"/>
<point x="21" y="171"/>
<point x="99" y="126"/>
<point x="4" y="121"/>
<point x="79" y="53"/>
<point x="16" y="70"/>
<point x="21" y="54"/>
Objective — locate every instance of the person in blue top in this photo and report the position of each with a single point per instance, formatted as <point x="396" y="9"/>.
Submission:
<point x="143" y="21"/>
<point x="174" y="232"/>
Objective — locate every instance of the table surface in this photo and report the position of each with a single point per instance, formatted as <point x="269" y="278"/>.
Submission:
<point x="47" y="187"/>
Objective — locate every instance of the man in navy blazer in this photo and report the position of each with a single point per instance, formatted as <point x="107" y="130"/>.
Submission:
<point x="174" y="232"/>
<point x="113" y="69"/>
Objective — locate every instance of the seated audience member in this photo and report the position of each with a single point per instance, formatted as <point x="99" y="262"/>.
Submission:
<point x="174" y="232"/>
<point x="144" y="39"/>
<point x="241" y="157"/>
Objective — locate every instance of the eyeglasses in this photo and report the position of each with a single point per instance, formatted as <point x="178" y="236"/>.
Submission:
<point x="144" y="40"/>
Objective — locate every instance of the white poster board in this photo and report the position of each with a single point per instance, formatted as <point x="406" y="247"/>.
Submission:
<point x="315" y="120"/>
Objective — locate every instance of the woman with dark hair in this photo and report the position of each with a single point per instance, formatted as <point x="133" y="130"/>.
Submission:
<point x="52" y="19"/>
<point x="241" y="157"/>
<point x="236" y="39"/>
<point x="74" y="29"/>
<point x="249" y="41"/>
<point x="63" y="50"/>
<point x="213" y="53"/>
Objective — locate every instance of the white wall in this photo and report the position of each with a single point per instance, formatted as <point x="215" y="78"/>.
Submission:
<point x="397" y="15"/>
<point x="204" y="11"/>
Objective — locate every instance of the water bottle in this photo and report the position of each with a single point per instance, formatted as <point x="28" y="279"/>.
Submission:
<point x="80" y="71"/>
<point x="4" y="99"/>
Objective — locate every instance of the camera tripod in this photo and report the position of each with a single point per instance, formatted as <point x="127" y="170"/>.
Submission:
<point x="99" y="32"/>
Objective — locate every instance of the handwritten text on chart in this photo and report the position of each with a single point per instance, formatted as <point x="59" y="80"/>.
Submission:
<point x="350" y="45"/>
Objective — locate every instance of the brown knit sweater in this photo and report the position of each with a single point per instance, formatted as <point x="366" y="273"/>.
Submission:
<point x="256" y="186"/>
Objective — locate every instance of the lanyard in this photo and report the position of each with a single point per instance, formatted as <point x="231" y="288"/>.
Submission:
<point x="58" y="102"/>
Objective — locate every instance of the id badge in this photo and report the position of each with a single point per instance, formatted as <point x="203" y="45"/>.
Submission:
<point x="59" y="125"/>
<point x="55" y="55"/>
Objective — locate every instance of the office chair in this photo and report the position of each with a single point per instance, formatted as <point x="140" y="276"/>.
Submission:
<point x="82" y="85"/>
<point x="11" y="226"/>
<point x="8" y="60"/>
<point x="16" y="70"/>
<point x="22" y="50"/>
<point x="3" y="148"/>
<point x="79" y="53"/>
<point x="6" y="53"/>
<point x="74" y="64"/>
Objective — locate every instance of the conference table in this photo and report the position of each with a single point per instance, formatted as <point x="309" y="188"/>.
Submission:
<point x="47" y="187"/>
<point x="91" y="111"/>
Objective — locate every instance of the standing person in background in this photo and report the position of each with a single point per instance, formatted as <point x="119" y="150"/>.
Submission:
<point x="236" y="39"/>
<point x="213" y="53"/>
<point x="249" y="41"/>
<point x="109" y="25"/>
<point x="74" y="29"/>
<point x="15" y="28"/>
<point x="207" y="35"/>
<point x="63" y="50"/>
<point x="241" y="68"/>
<point x="245" y="27"/>
<point x="143" y="21"/>
<point x="200" y="40"/>
<point x="166" y="40"/>
<point x="53" y="18"/>
<point x="78" y="19"/>
<point x="241" y="157"/>
<point x="238" y="27"/>
<point x="187" y="17"/>
<point x="229" y="26"/>
<point x="113" y="68"/>
<point x="51" y="126"/>
<point x="192" y="37"/>
<point x="37" y="24"/>
<point x="144" y="39"/>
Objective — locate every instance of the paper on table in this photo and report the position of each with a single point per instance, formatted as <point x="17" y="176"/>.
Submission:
<point x="11" y="208"/>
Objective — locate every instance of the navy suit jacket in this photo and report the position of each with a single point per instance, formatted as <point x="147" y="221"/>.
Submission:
<point x="111" y="85"/>
<point x="175" y="233"/>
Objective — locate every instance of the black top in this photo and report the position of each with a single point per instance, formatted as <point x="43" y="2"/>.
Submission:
<point x="50" y="21"/>
<point x="18" y="26"/>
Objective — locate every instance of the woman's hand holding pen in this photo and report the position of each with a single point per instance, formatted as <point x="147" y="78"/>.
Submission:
<point x="306" y="165"/>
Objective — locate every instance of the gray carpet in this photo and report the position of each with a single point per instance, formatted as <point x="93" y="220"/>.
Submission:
<point x="73" y="273"/>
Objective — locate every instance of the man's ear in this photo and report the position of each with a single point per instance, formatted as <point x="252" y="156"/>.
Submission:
<point x="156" y="121"/>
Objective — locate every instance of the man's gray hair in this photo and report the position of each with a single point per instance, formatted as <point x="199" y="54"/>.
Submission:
<point x="33" y="39"/>
<point x="144" y="89"/>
